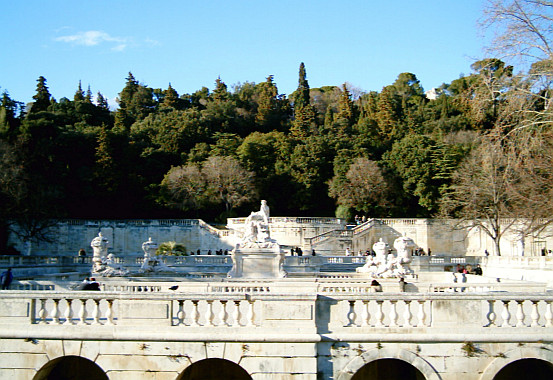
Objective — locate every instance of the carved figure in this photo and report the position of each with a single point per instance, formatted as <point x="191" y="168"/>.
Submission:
<point x="151" y="262"/>
<point x="403" y="246"/>
<point x="99" y="248"/>
<point x="256" y="228"/>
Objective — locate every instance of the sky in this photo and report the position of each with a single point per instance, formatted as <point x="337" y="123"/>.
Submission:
<point x="190" y="43"/>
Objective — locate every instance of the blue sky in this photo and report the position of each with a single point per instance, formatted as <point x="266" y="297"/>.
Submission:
<point x="191" y="43"/>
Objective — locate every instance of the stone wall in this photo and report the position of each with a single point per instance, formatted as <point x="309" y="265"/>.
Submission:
<point x="328" y="236"/>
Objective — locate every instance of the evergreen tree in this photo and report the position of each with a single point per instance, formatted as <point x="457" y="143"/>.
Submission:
<point x="88" y="96"/>
<point x="42" y="97"/>
<point x="304" y="123"/>
<point x="170" y="98"/>
<point x="101" y="101"/>
<point x="221" y="92"/>
<point x="344" y="118"/>
<point x="79" y="94"/>
<point x="302" y="98"/>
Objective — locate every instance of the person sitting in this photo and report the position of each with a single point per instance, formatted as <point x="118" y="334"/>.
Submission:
<point x="376" y="287"/>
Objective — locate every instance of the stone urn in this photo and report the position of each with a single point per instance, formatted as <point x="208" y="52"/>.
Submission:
<point x="100" y="249"/>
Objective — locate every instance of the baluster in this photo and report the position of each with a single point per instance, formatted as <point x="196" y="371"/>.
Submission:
<point x="379" y="314"/>
<point x="195" y="313"/>
<point x="68" y="313"/>
<point x="505" y="314"/>
<point x="223" y="315"/>
<point x="535" y="315"/>
<point x="491" y="313"/>
<point x="421" y="314"/>
<point x="109" y="313"/>
<point x="407" y="315"/>
<point x="548" y="314"/>
<point x="351" y="316"/>
<point x="96" y="312"/>
<point x="366" y="315"/>
<point x="236" y="315"/>
<point x="82" y="313"/>
<point x="42" y="312"/>
<point x="250" y="315"/>
<point x="393" y="313"/>
<point x="56" y="312"/>
<point x="180" y="313"/>
<point x="520" y="314"/>
<point x="209" y="314"/>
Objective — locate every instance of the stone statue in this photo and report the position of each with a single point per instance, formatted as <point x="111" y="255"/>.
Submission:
<point x="257" y="255"/>
<point x="152" y="263"/>
<point x="385" y="264"/>
<point x="100" y="249"/>
<point x="376" y="265"/>
<point x="103" y="264"/>
<point x="256" y="228"/>
<point x="404" y="246"/>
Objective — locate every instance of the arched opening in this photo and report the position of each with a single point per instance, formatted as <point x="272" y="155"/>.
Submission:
<point x="70" y="368"/>
<point x="388" y="369"/>
<point x="535" y="369"/>
<point x="214" y="369"/>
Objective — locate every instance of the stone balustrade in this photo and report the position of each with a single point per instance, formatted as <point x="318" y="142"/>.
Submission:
<point x="396" y="313"/>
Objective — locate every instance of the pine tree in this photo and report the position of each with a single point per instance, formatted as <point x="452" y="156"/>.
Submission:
<point x="304" y="123"/>
<point x="88" y="96"/>
<point x="221" y="92"/>
<point x="101" y="101"/>
<point x="302" y="98"/>
<point x="42" y="97"/>
<point x="345" y="116"/>
<point x="170" y="98"/>
<point x="79" y="94"/>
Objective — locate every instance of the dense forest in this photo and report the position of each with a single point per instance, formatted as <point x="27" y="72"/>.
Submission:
<point x="149" y="157"/>
<point x="326" y="151"/>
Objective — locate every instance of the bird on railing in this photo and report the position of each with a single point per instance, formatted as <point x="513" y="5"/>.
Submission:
<point x="174" y="287"/>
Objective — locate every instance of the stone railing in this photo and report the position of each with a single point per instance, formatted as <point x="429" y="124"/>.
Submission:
<point x="135" y="222"/>
<point x="215" y="231"/>
<point x="297" y="220"/>
<point x="521" y="262"/>
<point x="372" y="313"/>
<point x="415" y="310"/>
<point x="334" y="234"/>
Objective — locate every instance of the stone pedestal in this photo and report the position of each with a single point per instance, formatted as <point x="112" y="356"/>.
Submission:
<point x="256" y="262"/>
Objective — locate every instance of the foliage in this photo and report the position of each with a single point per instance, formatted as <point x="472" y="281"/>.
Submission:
<point x="171" y="248"/>
<point x="320" y="151"/>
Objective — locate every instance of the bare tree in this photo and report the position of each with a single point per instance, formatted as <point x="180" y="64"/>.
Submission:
<point x="479" y="195"/>
<point x="228" y="182"/>
<point x="523" y="28"/>
<point x="364" y="188"/>
<point x="29" y="209"/>
<point x="523" y="31"/>
<point x="218" y="180"/>
<point x="184" y="187"/>
<point x="505" y="183"/>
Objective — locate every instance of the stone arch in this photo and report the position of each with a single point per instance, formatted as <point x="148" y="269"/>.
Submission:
<point x="214" y="369"/>
<point x="512" y="356"/>
<point x="70" y="368"/>
<point x="367" y="357"/>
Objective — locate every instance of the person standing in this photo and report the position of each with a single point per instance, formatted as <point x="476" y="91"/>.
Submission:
<point x="6" y="279"/>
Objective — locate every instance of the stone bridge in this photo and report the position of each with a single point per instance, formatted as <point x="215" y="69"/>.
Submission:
<point x="297" y="329"/>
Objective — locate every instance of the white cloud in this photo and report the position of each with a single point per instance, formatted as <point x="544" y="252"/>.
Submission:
<point x="93" y="38"/>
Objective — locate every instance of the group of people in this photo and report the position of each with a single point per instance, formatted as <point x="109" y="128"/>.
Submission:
<point x="89" y="283"/>
<point x="219" y="252"/>
<point x="468" y="269"/>
<point x="360" y="219"/>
